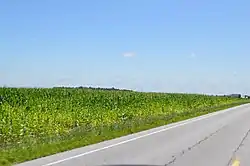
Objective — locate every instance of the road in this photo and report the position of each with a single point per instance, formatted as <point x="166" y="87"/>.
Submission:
<point x="218" y="139"/>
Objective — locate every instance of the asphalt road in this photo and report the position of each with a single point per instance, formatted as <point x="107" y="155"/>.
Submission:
<point x="217" y="139"/>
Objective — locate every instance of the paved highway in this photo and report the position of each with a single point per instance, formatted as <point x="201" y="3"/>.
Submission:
<point x="217" y="139"/>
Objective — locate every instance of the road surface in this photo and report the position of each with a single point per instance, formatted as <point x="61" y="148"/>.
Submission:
<point x="218" y="139"/>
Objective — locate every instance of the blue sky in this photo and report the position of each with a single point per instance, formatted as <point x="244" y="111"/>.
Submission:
<point x="170" y="46"/>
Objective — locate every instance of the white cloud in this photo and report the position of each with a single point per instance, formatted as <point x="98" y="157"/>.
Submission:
<point x="129" y="54"/>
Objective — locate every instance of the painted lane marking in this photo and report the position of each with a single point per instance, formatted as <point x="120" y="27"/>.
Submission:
<point x="236" y="163"/>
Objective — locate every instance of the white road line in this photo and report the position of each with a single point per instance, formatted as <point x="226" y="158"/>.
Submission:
<point x="142" y="136"/>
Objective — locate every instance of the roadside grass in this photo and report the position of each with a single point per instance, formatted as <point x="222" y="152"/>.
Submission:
<point x="82" y="136"/>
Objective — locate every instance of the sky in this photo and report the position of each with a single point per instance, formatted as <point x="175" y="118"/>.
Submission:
<point x="161" y="46"/>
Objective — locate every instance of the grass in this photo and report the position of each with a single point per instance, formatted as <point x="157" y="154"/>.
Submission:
<point x="86" y="116"/>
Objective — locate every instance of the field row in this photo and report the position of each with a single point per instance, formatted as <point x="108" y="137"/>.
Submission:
<point x="32" y="113"/>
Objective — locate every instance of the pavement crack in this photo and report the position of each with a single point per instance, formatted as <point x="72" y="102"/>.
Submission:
<point x="175" y="157"/>
<point x="238" y="148"/>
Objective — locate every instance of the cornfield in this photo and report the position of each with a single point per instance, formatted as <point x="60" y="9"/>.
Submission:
<point x="41" y="112"/>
